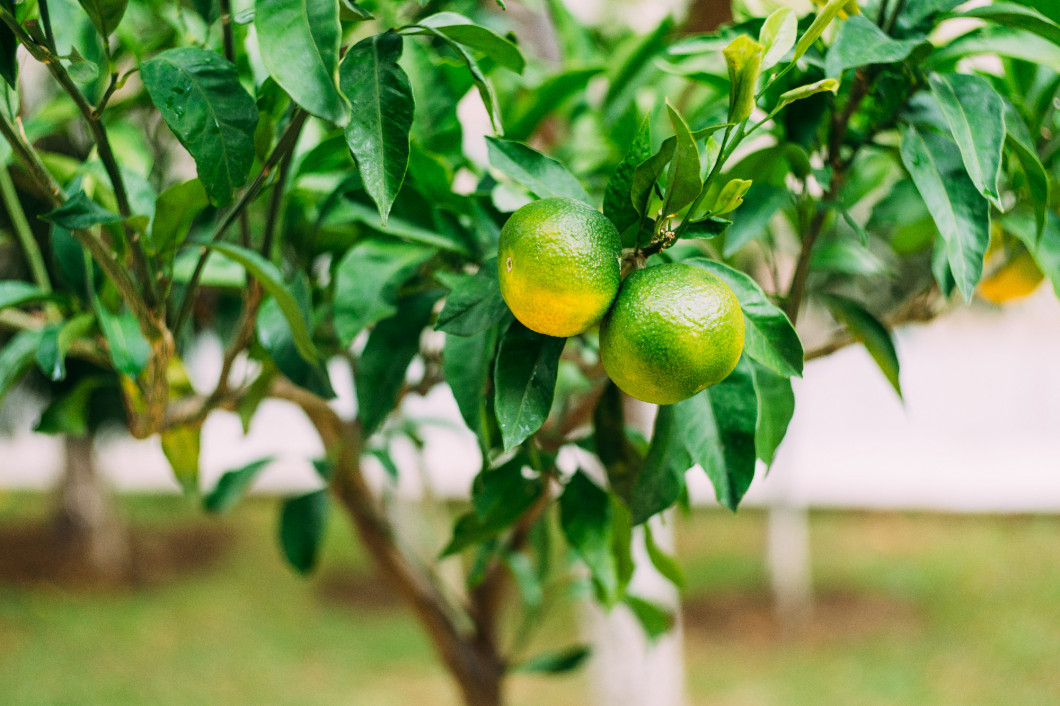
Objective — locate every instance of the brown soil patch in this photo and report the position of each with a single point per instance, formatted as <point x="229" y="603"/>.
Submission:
<point x="836" y="617"/>
<point x="368" y="591"/>
<point x="31" y="556"/>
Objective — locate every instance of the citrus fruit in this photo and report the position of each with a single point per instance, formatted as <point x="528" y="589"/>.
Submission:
<point x="674" y="330"/>
<point x="558" y="265"/>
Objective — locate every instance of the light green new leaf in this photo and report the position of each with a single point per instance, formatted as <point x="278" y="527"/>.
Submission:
<point x="718" y="427"/>
<point x="381" y="110"/>
<point x="743" y="57"/>
<point x="960" y="213"/>
<point x="299" y="44"/>
<point x="685" y="179"/>
<point x="524" y="380"/>
<point x="731" y="196"/>
<point x="975" y="115"/>
<point x="803" y="92"/>
<point x="816" y="29"/>
<point x="270" y="278"/>
<point x="543" y="176"/>
<point x="777" y="36"/>
<point x="769" y="337"/>
<point x="199" y="95"/>
<point x="181" y="446"/>
<point x="870" y="331"/>
<point x="776" y="405"/>
<point x="105" y="14"/>
<point x="861" y="43"/>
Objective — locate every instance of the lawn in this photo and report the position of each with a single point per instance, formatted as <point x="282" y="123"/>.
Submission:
<point x="912" y="609"/>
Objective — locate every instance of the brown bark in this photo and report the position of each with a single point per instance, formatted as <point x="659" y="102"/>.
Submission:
<point x="88" y="529"/>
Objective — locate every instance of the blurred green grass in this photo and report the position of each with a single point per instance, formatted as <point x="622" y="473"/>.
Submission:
<point x="912" y="609"/>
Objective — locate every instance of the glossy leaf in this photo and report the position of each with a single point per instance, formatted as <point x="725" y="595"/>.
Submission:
<point x="80" y="213"/>
<point x="1011" y="14"/>
<point x="499" y="497"/>
<point x="662" y="474"/>
<point x="381" y="109"/>
<point x="777" y="36"/>
<point x="861" y="43"/>
<point x="769" y="337"/>
<point x="16" y="355"/>
<point x="232" y="486"/>
<point x="105" y="14"/>
<point x="870" y="331"/>
<point x="776" y="405"/>
<point x="1012" y="43"/>
<point x="474" y="302"/>
<point x="467" y="362"/>
<point x="717" y="427"/>
<point x="743" y="57"/>
<point x="585" y="516"/>
<point x="8" y="56"/>
<point x="975" y="115"/>
<point x="367" y="280"/>
<point x="462" y="30"/>
<point x="391" y="346"/>
<point x="824" y="18"/>
<point x="482" y="85"/>
<point x="276" y="337"/>
<point x="199" y="95"/>
<point x="543" y="176"/>
<point x="55" y="343"/>
<point x="524" y="381"/>
<point x="272" y="281"/>
<point x="826" y="85"/>
<point x="618" y="206"/>
<point x="731" y="196"/>
<point x="1019" y="141"/>
<point x="646" y="175"/>
<point x="961" y="214"/>
<point x="303" y="520"/>
<point x="685" y="181"/>
<point x="299" y="44"/>
<point x="128" y="348"/>
<point x="621" y="459"/>
<point x="181" y="446"/>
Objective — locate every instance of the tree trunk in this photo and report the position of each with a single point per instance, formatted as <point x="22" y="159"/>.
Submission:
<point x="89" y="532"/>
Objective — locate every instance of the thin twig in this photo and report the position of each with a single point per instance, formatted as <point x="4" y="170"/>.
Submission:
<point x="30" y="249"/>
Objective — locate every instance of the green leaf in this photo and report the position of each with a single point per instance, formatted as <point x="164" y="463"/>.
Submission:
<point x="718" y="427"/>
<point x="474" y="302"/>
<point x="585" y="516"/>
<point x="80" y="213"/>
<point x="845" y="256"/>
<point x="861" y="43"/>
<point x="526" y="579"/>
<point x="530" y="110"/>
<point x="974" y="112"/>
<point x="1012" y="43"/>
<point x="181" y="446"/>
<point x="621" y="459"/>
<point x="867" y="329"/>
<point x="272" y="281"/>
<point x="554" y="662"/>
<point x="1019" y="141"/>
<point x="199" y="95"/>
<point x="232" y="486"/>
<point x="175" y="210"/>
<point x="381" y="109"/>
<point x="275" y="335"/>
<point x="655" y="620"/>
<point x="663" y="562"/>
<point x="662" y="474"/>
<point x="463" y="31"/>
<point x="760" y="204"/>
<point x="685" y="181"/>
<point x="367" y="280"/>
<point x="777" y="36"/>
<point x="962" y="216"/>
<point x="70" y="413"/>
<point x="543" y="176"/>
<point x="524" y="381"/>
<point x="129" y="350"/>
<point x="618" y="206"/>
<point x="802" y="92"/>
<point x="1045" y="247"/>
<point x="55" y="343"/>
<point x="629" y="76"/>
<point x="776" y="405"/>
<point x="105" y="14"/>
<point x="299" y="44"/>
<point x="820" y="22"/>
<point x="499" y="497"/>
<point x="706" y="228"/>
<point x="731" y="196"/>
<point x="352" y="12"/>
<point x="743" y="57"/>
<point x="8" y="56"/>
<point x="769" y="337"/>
<point x="392" y="345"/>
<point x="1019" y="16"/>
<point x="303" y="520"/>
<point x="17" y="293"/>
<point x="467" y="362"/>
<point x="16" y="355"/>
<point x="401" y="228"/>
<point x="485" y="90"/>
<point x="647" y="174"/>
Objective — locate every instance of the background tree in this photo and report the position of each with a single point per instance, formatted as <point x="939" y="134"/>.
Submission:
<point x="335" y="204"/>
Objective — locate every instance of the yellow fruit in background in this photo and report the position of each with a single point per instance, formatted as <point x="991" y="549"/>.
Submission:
<point x="674" y="330"/>
<point x="1015" y="279"/>
<point x="558" y="265"/>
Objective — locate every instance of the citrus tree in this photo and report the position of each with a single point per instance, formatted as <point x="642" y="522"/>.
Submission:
<point x="694" y="194"/>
